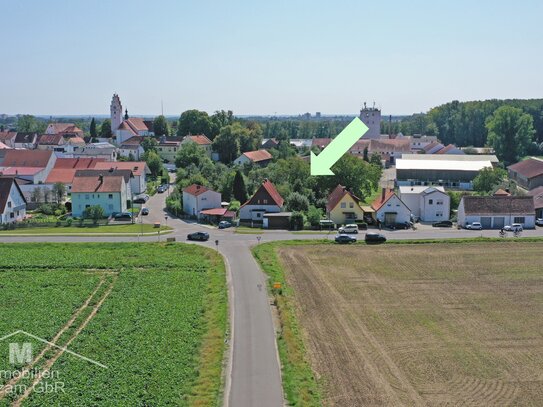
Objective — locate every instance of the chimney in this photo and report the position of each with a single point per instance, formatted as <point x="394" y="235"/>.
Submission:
<point x="383" y="193"/>
<point x="101" y="178"/>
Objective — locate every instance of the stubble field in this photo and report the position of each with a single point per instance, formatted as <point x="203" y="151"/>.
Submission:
<point x="428" y="324"/>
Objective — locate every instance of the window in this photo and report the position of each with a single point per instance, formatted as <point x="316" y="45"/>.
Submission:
<point x="9" y="204"/>
<point x="343" y="205"/>
<point x="12" y="215"/>
<point x="439" y="214"/>
<point x="351" y="205"/>
<point x="204" y="198"/>
<point x="265" y="201"/>
<point x="519" y="219"/>
<point x="110" y="196"/>
<point x="430" y="201"/>
<point x="439" y="202"/>
<point x="258" y="215"/>
<point x="87" y="197"/>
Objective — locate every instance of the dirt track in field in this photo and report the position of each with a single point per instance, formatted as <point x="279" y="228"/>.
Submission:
<point x="457" y="324"/>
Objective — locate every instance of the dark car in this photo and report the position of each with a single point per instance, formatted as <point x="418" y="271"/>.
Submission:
<point x="123" y="216"/>
<point x="443" y="224"/>
<point x="374" y="238"/>
<point x="202" y="236"/>
<point x="141" y="199"/>
<point x="145" y="211"/>
<point x="345" y="239"/>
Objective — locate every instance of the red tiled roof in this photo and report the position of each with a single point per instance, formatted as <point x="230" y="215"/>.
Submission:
<point x="501" y="192"/>
<point x="60" y="127"/>
<point x="7" y="135"/>
<point x="537" y="193"/>
<point x="379" y="202"/>
<point x="200" y="139"/>
<point x="214" y="212"/>
<point x="72" y="129"/>
<point x="196" y="189"/>
<point x="76" y="140"/>
<point x="321" y="142"/>
<point x="78" y="163"/>
<point x="336" y="195"/>
<point x="3" y="146"/>
<point x="257" y="156"/>
<point x="269" y="189"/>
<point x="27" y="158"/>
<point x="137" y="167"/>
<point x="95" y="184"/>
<point x="51" y="139"/>
<point x="133" y="141"/>
<point x="62" y="175"/>
<point x="125" y="126"/>
<point x="20" y="170"/>
<point x="137" y="123"/>
<point x="530" y="168"/>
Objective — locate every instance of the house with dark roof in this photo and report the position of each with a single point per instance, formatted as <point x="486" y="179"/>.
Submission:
<point x="258" y="157"/>
<point x="109" y="192"/>
<point x="132" y="147"/>
<point x="495" y="212"/>
<point x="197" y="198"/>
<point x="390" y="210"/>
<point x="25" y="140"/>
<point x="53" y="142"/>
<point x="266" y="200"/>
<point x="12" y="201"/>
<point x="527" y="174"/>
<point x="344" y="207"/>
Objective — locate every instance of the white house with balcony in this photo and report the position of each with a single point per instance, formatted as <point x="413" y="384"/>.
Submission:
<point x="429" y="204"/>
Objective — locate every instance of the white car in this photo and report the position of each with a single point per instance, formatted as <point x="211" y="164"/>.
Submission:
<point x="539" y="221"/>
<point x="474" y="226"/>
<point x="352" y="228"/>
<point x="515" y="227"/>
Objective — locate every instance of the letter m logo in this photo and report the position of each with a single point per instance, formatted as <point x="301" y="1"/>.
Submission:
<point x="20" y="353"/>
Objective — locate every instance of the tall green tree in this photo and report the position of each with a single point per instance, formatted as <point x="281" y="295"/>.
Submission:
<point x="105" y="129"/>
<point x="239" y="188"/>
<point x="149" y="144"/>
<point x="59" y="191"/>
<point x="160" y="126"/>
<point x="194" y="122"/>
<point x="30" y="124"/>
<point x="153" y="162"/>
<point x="191" y="154"/>
<point x="487" y="179"/>
<point x="92" y="129"/>
<point x="510" y="133"/>
<point x="227" y="144"/>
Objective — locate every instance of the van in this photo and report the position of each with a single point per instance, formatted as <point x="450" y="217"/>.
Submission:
<point x="351" y="228"/>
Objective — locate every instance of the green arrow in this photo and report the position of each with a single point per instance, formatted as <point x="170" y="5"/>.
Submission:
<point x="321" y="164"/>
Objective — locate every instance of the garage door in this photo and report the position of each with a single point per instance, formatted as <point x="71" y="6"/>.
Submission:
<point x="499" y="222"/>
<point x="486" y="222"/>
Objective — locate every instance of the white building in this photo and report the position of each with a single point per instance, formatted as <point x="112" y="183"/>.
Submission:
<point x="390" y="210"/>
<point x="12" y="201"/>
<point x="371" y="117"/>
<point x="197" y="198"/>
<point x="139" y="169"/>
<point x="130" y="126"/>
<point x="429" y="204"/>
<point x="495" y="212"/>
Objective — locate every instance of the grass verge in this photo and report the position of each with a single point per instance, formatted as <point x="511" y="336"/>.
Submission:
<point x="84" y="230"/>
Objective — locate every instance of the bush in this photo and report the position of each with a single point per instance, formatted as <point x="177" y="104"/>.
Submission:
<point x="297" y="202"/>
<point x="314" y="216"/>
<point x="297" y="221"/>
<point x="69" y="222"/>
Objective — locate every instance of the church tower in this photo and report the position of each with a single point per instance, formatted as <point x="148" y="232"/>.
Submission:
<point x="116" y="111"/>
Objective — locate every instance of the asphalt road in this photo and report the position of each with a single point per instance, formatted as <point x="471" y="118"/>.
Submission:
<point x="253" y="373"/>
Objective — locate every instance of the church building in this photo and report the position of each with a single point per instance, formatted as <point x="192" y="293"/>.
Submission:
<point x="127" y="127"/>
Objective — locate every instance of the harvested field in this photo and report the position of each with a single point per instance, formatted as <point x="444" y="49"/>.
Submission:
<point x="428" y="324"/>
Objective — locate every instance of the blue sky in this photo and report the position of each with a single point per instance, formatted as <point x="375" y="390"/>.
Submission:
<point x="255" y="57"/>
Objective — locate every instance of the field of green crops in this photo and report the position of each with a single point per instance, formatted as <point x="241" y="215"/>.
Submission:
<point x="154" y="314"/>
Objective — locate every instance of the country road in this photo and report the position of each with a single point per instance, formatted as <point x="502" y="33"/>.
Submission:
<point x="253" y="372"/>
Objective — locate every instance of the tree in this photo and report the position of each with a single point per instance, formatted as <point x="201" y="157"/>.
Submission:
<point x="297" y="202"/>
<point x="227" y="144"/>
<point x="239" y="189"/>
<point x="30" y="124"/>
<point x="365" y="157"/>
<point x="190" y="154"/>
<point x="105" y="129"/>
<point x="149" y="144"/>
<point x="160" y="126"/>
<point x="314" y="216"/>
<point x="194" y="122"/>
<point x="36" y="195"/>
<point x="92" y="129"/>
<point x="510" y="133"/>
<point x="487" y="179"/>
<point x="297" y="221"/>
<point x="375" y="159"/>
<point x="153" y="162"/>
<point x="95" y="212"/>
<point x="59" y="190"/>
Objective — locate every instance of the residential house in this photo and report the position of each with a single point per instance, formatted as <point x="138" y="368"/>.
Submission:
<point x="167" y="150"/>
<point x="65" y="169"/>
<point x="64" y="129"/>
<point x="112" y="172"/>
<point x="344" y="207"/>
<point x="53" y="142"/>
<point x="197" y="198"/>
<point x="33" y="165"/>
<point x="494" y="212"/>
<point x="132" y="147"/>
<point x="537" y="194"/>
<point x="140" y="170"/>
<point x="418" y="141"/>
<point x="301" y="143"/>
<point x="390" y="210"/>
<point x="528" y="174"/>
<point x="201" y="140"/>
<point x="429" y="204"/>
<point x="24" y="140"/>
<point x="73" y="144"/>
<point x="4" y="146"/>
<point x="102" y="149"/>
<point x="259" y="157"/>
<point x="269" y="143"/>
<point x="265" y="200"/>
<point x="109" y="192"/>
<point x="12" y="201"/>
<point x="8" y="138"/>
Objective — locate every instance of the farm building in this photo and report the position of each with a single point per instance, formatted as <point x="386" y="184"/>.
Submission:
<point x="429" y="204"/>
<point x="537" y="194"/>
<point x="528" y="174"/>
<point x="494" y="212"/>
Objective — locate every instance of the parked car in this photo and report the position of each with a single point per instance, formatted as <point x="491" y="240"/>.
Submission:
<point x="345" y="239"/>
<point x="123" y="216"/>
<point x="515" y="227"/>
<point x="351" y="228"/>
<point x="170" y="167"/>
<point x="374" y="238"/>
<point x="223" y="224"/>
<point x="141" y="199"/>
<point x="443" y="224"/>
<point x="539" y="221"/>
<point x="144" y="211"/>
<point x="162" y="188"/>
<point x="201" y="236"/>
<point x="474" y="226"/>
